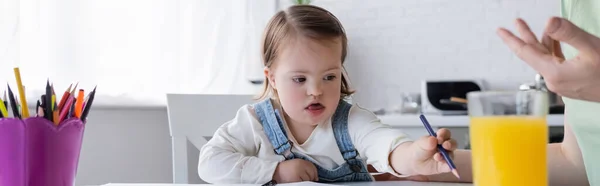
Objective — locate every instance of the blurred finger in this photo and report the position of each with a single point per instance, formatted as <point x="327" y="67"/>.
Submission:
<point x="528" y="53"/>
<point x="548" y="43"/>
<point x="438" y="157"/>
<point x="563" y="30"/>
<point x="310" y="170"/>
<point x="525" y="32"/>
<point x="305" y="177"/>
<point x="553" y="47"/>
<point x="513" y="42"/>
<point x="427" y="143"/>
<point x="443" y="135"/>
<point x="442" y="159"/>
<point x="426" y="147"/>
<point x="557" y="51"/>
<point x="450" y="145"/>
<point x="314" y="174"/>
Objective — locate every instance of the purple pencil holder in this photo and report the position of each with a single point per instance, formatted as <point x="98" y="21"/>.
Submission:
<point x="36" y="152"/>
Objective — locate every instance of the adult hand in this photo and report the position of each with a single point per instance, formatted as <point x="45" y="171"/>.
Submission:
<point x="577" y="78"/>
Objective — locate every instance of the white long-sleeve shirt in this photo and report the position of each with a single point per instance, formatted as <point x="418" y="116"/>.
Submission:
<point x="240" y="151"/>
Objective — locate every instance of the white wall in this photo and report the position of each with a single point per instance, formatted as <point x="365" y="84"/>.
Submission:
<point x="396" y="44"/>
<point x="393" y="46"/>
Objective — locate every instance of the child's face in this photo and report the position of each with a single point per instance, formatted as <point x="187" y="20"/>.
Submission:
<point x="307" y="77"/>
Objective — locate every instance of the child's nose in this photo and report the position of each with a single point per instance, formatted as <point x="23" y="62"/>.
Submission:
<point x="315" y="90"/>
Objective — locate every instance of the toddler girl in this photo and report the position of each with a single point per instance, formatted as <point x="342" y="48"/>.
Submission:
<point x="302" y="129"/>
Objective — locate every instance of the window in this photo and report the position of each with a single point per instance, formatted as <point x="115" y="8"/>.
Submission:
<point x="135" y="51"/>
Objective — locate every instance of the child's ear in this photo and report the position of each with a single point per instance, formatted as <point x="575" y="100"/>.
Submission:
<point x="270" y="76"/>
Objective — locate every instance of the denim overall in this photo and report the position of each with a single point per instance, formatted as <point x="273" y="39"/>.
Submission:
<point x="354" y="169"/>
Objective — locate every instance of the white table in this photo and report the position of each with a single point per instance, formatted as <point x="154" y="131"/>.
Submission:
<point x="379" y="183"/>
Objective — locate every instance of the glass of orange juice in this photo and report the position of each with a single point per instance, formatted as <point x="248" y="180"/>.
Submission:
<point x="509" y="136"/>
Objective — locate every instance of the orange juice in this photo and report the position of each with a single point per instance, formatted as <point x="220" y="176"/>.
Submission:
<point x="509" y="150"/>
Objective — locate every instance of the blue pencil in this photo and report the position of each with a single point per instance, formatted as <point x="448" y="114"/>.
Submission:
<point x="439" y="146"/>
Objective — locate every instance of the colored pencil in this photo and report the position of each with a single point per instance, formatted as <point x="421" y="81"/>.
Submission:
<point x="64" y="97"/>
<point x="53" y="98"/>
<point x="37" y="108"/>
<point x="40" y="111"/>
<point x="48" y="103"/>
<point x="79" y="103"/>
<point x="3" y="109"/>
<point x="13" y="103"/>
<point x="88" y="105"/>
<point x="74" y="89"/>
<point x="21" y="92"/>
<point x="5" y="100"/>
<point x="50" y="106"/>
<point x="55" y="115"/>
<point x="65" y="110"/>
<point x="72" y="109"/>
<point x="18" y="105"/>
<point x="43" y="104"/>
<point x="439" y="147"/>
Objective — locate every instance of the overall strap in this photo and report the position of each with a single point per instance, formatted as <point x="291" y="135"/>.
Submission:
<point x="272" y="123"/>
<point x="340" y="131"/>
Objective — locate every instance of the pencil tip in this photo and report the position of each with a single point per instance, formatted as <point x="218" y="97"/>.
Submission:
<point x="455" y="173"/>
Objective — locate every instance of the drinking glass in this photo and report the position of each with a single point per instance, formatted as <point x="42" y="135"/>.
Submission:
<point x="509" y="137"/>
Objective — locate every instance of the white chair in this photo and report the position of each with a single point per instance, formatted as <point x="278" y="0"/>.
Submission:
<point x="194" y="118"/>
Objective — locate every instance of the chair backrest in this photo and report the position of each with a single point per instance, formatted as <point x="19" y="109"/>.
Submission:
<point x="194" y="118"/>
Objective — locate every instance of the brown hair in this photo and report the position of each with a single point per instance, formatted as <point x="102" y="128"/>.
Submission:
<point x="301" y="20"/>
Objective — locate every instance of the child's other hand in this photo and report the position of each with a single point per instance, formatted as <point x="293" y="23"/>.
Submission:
<point x="426" y="157"/>
<point x="295" y="170"/>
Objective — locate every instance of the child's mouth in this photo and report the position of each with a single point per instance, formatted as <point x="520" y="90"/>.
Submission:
<point x="315" y="109"/>
<point x="315" y="106"/>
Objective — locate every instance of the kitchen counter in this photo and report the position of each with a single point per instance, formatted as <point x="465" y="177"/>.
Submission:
<point x="412" y="120"/>
<point x="457" y="124"/>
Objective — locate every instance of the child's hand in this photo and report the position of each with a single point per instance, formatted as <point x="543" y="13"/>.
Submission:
<point x="295" y="170"/>
<point x="426" y="157"/>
